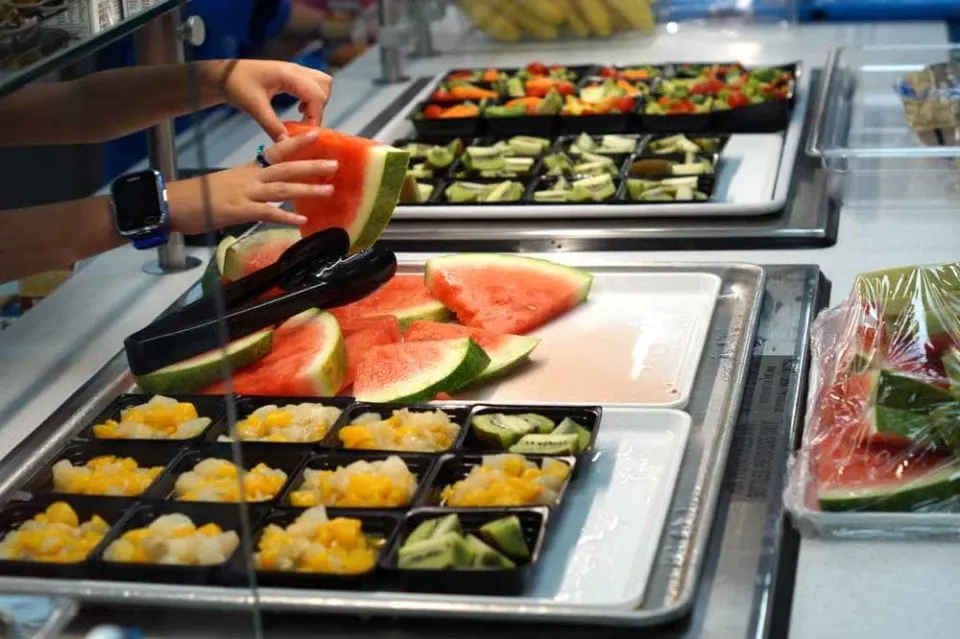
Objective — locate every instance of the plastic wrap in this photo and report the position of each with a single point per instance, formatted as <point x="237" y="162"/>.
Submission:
<point x="882" y="436"/>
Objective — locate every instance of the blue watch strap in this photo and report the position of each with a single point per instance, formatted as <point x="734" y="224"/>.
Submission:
<point x="152" y="239"/>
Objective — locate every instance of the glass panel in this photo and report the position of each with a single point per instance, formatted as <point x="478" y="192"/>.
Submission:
<point x="36" y="42"/>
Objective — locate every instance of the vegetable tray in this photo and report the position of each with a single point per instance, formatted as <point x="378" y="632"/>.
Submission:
<point x="752" y="174"/>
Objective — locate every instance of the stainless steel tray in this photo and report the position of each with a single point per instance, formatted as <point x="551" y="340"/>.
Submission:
<point x="714" y="406"/>
<point x="746" y="190"/>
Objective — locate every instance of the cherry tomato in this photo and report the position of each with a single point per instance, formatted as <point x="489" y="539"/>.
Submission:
<point x="537" y="69"/>
<point x="442" y="96"/>
<point x="737" y="100"/>
<point x="432" y="111"/>
<point x="460" y="75"/>
<point x="624" y="104"/>
<point x="565" y="87"/>
<point x="608" y="72"/>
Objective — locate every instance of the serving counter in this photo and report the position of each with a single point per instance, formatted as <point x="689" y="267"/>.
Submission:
<point x="842" y="590"/>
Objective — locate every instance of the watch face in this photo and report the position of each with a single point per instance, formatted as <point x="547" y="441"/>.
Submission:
<point x="137" y="201"/>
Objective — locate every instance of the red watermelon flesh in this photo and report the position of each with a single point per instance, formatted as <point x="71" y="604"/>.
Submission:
<point x="504" y="351"/>
<point x="403" y="297"/>
<point x="308" y="359"/>
<point x="366" y="185"/>
<point x="505" y="293"/>
<point x="384" y="323"/>
<point x="377" y="333"/>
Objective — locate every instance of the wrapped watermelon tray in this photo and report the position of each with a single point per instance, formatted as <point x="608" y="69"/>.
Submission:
<point x="880" y="449"/>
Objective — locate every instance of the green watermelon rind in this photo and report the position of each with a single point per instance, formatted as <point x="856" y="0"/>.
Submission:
<point x="464" y="361"/>
<point x="329" y="367"/>
<point x="514" y="352"/>
<point x="935" y="487"/>
<point x="201" y="371"/>
<point x="383" y="182"/>
<point x="233" y="261"/>
<point x="431" y="311"/>
<point x="214" y="271"/>
<point x="577" y="277"/>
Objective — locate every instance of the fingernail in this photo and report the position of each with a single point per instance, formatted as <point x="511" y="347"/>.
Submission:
<point x="328" y="165"/>
<point x="324" y="189"/>
<point x="298" y="219"/>
<point x="312" y="135"/>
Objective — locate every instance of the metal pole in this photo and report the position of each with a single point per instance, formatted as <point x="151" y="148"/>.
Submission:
<point x="158" y="42"/>
<point x="390" y="36"/>
<point x="423" y="37"/>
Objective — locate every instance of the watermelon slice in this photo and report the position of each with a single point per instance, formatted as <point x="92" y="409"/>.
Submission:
<point x="404" y="297"/>
<point x="255" y="251"/>
<point x="193" y="374"/>
<point x="308" y="359"/>
<point x="417" y="371"/>
<point x="505" y="351"/>
<point x="366" y="186"/>
<point x="505" y="293"/>
<point x="871" y="481"/>
<point x="368" y="333"/>
<point x="214" y="272"/>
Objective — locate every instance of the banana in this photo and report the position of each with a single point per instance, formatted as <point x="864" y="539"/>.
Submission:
<point x="636" y="13"/>
<point x="529" y="24"/>
<point x="484" y="14"/>
<point x="597" y="16"/>
<point x="544" y="10"/>
<point x="575" y="23"/>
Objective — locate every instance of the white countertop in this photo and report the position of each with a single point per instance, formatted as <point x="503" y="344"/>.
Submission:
<point x="846" y="590"/>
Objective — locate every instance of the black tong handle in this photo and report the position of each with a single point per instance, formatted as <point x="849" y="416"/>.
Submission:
<point x="194" y="329"/>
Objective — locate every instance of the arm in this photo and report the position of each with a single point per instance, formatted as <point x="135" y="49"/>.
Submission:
<point x="110" y="104"/>
<point x="107" y="105"/>
<point x="40" y="238"/>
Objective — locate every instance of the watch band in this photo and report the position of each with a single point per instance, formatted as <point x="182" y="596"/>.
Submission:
<point x="151" y="239"/>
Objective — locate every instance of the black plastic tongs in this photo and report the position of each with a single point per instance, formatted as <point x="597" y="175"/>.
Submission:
<point x="314" y="272"/>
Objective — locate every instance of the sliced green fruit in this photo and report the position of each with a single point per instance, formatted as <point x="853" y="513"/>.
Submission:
<point x="417" y="371"/>
<point x="447" y="524"/>
<point x="551" y="104"/>
<point x="506" y="535"/>
<point x="547" y="444"/>
<point x="485" y="557"/>
<point x="199" y="372"/>
<point x="542" y="425"/>
<point x="214" y="272"/>
<point x="441" y="553"/>
<point x="501" y="431"/>
<point x="439" y="157"/>
<point x="934" y="487"/>
<point x="422" y="532"/>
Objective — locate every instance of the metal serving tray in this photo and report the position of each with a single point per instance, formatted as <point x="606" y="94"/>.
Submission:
<point x="750" y="184"/>
<point x="670" y="593"/>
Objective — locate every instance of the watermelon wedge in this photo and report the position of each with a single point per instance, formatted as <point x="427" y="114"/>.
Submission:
<point x="308" y="359"/>
<point x="255" y="251"/>
<point x="417" y="371"/>
<point x="870" y="480"/>
<point x="505" y="351"/>
<point x="404" y="297"/>
<point x="193" y="374"/>
<point x="505" y="293"/>
<point x="214" y="272"/>
<point x="366" y="186"/>
<point x="368" y="333"/>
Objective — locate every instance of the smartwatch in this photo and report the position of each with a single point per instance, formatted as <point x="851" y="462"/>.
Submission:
<point x="140" y="211"/>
